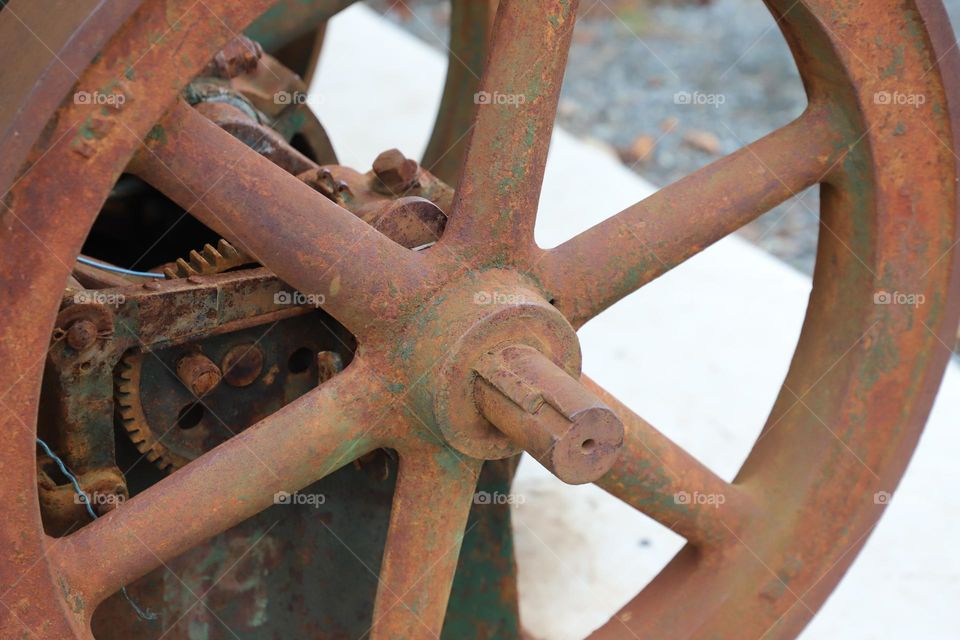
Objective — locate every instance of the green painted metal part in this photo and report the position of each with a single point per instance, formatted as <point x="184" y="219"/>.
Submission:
<point x="289" y="572"/>
<point x="289" y="19"/>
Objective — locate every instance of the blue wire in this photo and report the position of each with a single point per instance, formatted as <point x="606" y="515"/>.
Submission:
<point x="110" y="267"/>
<point x="145" y="614"/>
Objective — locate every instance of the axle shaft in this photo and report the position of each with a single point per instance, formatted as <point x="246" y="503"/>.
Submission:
<point x="549" y="413"/>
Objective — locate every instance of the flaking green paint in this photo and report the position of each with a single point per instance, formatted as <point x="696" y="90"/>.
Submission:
<point x="405" y="352"/>
<point x="86" y="130"/>
<point x="531" y="134"/>
<point x="450" y="462"/>
<point x="896" y="65"/>
<point x="482" y="604"/>
<point x="157" y="134"/>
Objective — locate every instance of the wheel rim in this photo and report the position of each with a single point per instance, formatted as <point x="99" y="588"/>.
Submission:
<point x="852" y="407"/>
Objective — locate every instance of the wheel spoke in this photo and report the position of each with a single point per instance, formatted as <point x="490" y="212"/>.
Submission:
<point x="662" y="480"/>
<point x="309" y="438"/>
<point x="307" y="240"/>
<point x="496" y="202"/>
<point x="600" y="266"/>
<point x="427" y="524"/>
<point x="469" y="37"/>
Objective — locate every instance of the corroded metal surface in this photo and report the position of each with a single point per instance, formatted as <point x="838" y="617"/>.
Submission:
<point x="428" y="321"/>
<point x="280" y="95"/>
<point x="53" y="41"/>
<point x="547" y="412"/>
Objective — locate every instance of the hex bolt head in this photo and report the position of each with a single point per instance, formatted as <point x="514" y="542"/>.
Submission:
<point x="198" y="373"/>
<point x="396" y="174"/>
<point x="82" y="335"/>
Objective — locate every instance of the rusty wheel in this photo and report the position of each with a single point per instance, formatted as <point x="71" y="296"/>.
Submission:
<point x="468" y="351"/>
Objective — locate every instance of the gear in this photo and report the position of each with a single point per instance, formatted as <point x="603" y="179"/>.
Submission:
<point x="209" y="261"/>
<point x="130" y="410"/>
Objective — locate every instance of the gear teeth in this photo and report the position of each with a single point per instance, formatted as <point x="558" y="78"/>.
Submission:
<point x="198" y="262"/>
<point x="130" y="411"/>
<point x="210" y="260"/>
<point x="211" y="255"/>
<point x="227" y="250"/>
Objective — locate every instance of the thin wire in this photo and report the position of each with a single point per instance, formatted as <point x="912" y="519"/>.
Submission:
<point x="110" y="267"/>
<point x="146" y="614"/>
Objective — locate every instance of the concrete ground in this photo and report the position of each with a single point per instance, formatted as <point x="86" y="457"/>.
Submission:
<point x="700" y="353"/>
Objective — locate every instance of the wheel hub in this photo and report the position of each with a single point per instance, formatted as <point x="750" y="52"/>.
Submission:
<point x="503" y="375"/>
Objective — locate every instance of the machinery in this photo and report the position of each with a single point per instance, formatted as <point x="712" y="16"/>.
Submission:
<point x="235" y="370"/>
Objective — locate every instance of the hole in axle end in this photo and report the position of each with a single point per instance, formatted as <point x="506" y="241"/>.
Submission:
<point x="587" y="446"/>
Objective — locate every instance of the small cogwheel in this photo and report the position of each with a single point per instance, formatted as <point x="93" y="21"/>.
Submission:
<point x="130" y="410"/>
